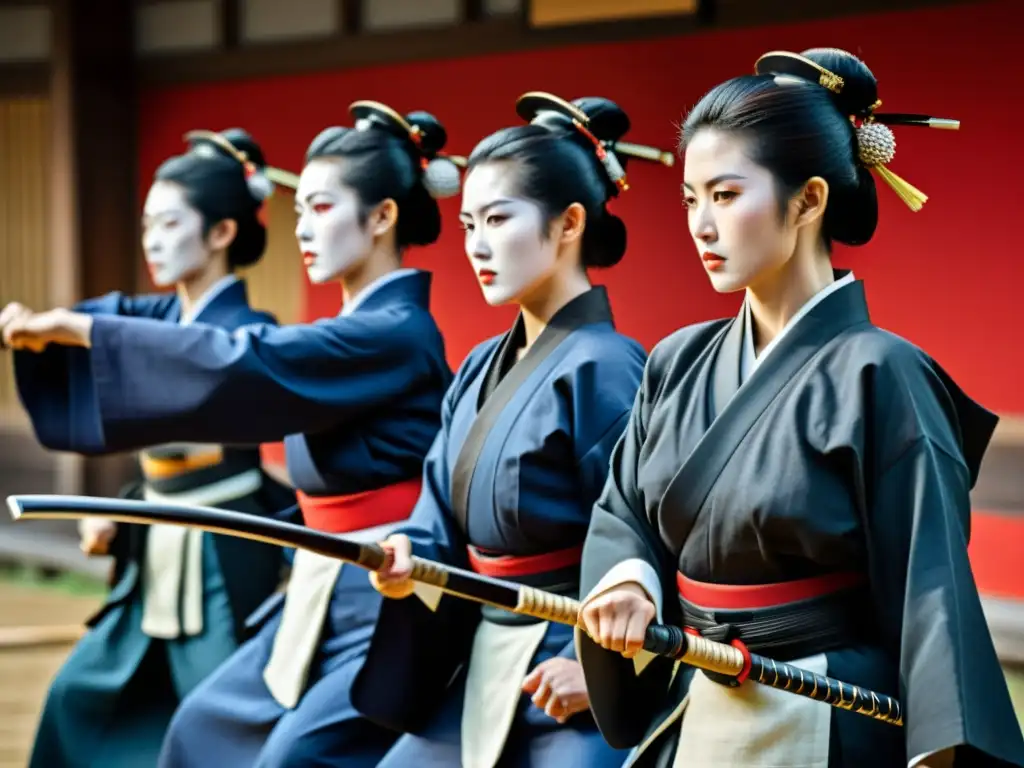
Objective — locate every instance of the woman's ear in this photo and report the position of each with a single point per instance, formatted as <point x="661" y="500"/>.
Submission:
<point x="222" y="235"/>
<point x="570" y="225"/>
<point x="383" y="217"/>
<point x="808" y="205"/>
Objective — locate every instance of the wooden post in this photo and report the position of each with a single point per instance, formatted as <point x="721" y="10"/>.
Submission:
<point x="94" y="204"/>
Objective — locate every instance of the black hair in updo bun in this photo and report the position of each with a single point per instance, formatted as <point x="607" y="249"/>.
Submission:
<point x="380" y="165"/>
<point x="798" y="129"/>
<point x="215" y="184"/>
<point x="557" y="165"/>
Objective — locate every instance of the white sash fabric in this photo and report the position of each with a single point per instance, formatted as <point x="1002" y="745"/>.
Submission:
<point x="498" y="665"/>
<point x="172" y="574"/>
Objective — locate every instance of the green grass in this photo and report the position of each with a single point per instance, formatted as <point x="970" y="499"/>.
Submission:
<point x="68" y="583"/>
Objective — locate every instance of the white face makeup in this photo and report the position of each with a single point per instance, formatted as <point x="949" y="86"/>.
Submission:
<point x="172" y="235"/>
<point x="504" y="236"/>
<point x="331" y="239"/>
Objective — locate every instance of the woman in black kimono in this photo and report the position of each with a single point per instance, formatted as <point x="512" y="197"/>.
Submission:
<point x="180" y="599"/>
<point x="527" y="430"/>
<point x="356" y="399"/>
<point x="794" y="479"/>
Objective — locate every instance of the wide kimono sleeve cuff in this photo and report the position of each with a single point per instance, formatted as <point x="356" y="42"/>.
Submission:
<point x="633" y="570"/>
<point x="942" y="758"/>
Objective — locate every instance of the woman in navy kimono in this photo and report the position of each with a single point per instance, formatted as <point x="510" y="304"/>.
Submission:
<point x="357" y="400"/>
<point x="794" y="480"/>
<point x="527" y="429"/>
<point x="180" y="599"/>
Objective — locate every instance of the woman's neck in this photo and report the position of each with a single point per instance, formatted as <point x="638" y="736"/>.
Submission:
<point x="777" y="297"/>
<point x="372" y="269"/>
<point x="194" y="287"/>
<point x="545" y="303"/>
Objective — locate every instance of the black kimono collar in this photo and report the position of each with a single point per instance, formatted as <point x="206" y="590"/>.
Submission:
<point x="586" y="309"/>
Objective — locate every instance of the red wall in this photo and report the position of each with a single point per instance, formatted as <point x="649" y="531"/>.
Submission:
<point x="948" y="278"/>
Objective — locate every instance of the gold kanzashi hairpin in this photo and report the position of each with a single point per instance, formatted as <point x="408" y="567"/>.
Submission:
<point x="876" y="143"/>
<point x="531" y="104"/>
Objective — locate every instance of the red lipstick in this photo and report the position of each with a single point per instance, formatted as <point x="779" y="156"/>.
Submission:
<point x="712" y="261"/>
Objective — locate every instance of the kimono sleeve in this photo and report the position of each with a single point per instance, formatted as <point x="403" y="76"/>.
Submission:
<point x="157" y="382"/>
<point x="431" y="526"/>
<point x="420" y="642"/>
<point x="621" y="546"/>
<point x="952" y="687"/>
<point x="605" y="392"/>
<point x="56" y="387"/>
<point x="155" y="306"/>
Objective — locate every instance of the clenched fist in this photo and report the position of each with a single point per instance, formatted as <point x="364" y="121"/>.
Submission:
<point x="96" y="534"/>
<point x="392" y="580"/>
<point x="12" y="314"/>
<point x="618" y="618"/>
<point x="33" y="331"/>
<point x="558" y="687"/>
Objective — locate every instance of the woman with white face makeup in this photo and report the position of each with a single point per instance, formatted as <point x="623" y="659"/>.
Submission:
<point x="794" y="480"/>
<point x="356" y="399"/>
<point x="527" y="428"/>
<point x="180" y="599"/>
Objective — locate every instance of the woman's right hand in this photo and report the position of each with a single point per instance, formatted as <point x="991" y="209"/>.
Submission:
<point x="11" y="314"/>
<point x="96" y="535"/>
<point x="617" y="618"/>
<point x="392" y="579"/>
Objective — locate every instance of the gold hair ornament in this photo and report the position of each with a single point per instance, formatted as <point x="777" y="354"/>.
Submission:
<point x="876" y="143"/>
<point x="530" y="104"/>
<point x="876" y="147"/>
<point x="440" y="171"/>
<point x="278" y="176"/>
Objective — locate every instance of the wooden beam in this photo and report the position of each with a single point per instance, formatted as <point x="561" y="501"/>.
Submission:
<point x="368" y="49"/>
<point x="94" y="214"/>
<point x="29" y="79"/>
<point x="482" y="36"/>
<point x="350" y="17"/>
<point x="473" y="10"/>
<point x="230" y="23"/>
<point x="19" y="638"/>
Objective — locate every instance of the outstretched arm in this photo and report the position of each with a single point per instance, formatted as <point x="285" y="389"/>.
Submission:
<point x="157" y="382"/>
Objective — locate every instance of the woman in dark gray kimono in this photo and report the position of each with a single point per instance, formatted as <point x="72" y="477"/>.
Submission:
<point x="180" y="598"/>
<point x="527" y="429"/>
<point x="794" y="480"/>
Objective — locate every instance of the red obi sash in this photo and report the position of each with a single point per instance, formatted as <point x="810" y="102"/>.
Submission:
<point x="512" y="566"/>
<point x="738" y="597"/>
<point x="358" y="511"/>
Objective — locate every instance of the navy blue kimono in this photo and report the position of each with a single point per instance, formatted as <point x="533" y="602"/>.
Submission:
<point x="521" y="458"/>
<point x="357" y="399"/>
<point x="112" y="700"/>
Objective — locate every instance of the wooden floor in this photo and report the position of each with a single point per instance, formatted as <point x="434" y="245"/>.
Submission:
<point x="25" y="671"/>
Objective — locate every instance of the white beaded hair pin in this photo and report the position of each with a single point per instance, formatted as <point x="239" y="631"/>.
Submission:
<point x="876" y="143"/>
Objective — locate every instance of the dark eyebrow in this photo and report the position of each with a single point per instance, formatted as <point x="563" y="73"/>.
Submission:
<point x="313" y="194"/>
<point x="484" y="209"/>
<point x="717" y="180"/>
